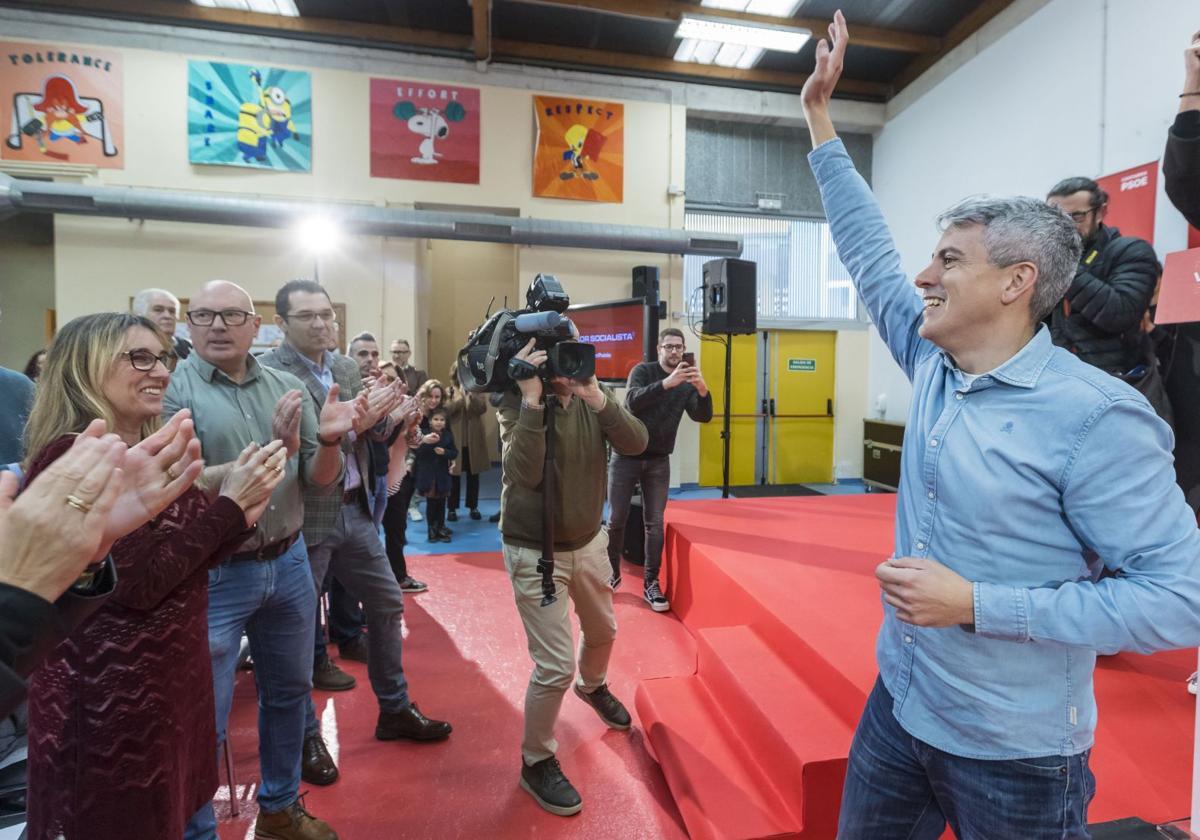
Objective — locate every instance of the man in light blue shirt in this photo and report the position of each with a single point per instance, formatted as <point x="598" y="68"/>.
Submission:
<point x="1024" y="471"/>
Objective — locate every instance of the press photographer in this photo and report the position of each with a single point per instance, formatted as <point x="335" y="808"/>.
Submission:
<point x="583" y="415"/>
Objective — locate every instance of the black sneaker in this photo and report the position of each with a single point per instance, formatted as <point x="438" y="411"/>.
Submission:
<point x="548" y="786"/>
<point x="411" y="585"/>
<point x="329" y="677"/>
<point x="654" y="597"/>
<point x="611" y="710"/>
<point x="475" y="514"/>
<point x="452" y="516"/>
<point x="614" y="583"/>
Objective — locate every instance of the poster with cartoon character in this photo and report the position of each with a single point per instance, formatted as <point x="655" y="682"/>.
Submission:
<point x="580" y="149"/>
<point x="249" y="115"/>
<point x="424" y="131"/>
<point x="62" y="104"/>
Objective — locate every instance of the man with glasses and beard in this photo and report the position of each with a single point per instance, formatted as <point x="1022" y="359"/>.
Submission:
<point x="659" y="393"/>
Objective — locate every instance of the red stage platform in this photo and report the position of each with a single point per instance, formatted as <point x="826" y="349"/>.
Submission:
<point x="781" y="597"/>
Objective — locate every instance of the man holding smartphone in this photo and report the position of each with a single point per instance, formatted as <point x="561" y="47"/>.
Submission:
<point x="659" y="393"/>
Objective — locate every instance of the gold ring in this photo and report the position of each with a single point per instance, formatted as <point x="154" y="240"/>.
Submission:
<point x="171" y="476"/>
<point x="278" y="469"/>
<point x="78" y="503"/>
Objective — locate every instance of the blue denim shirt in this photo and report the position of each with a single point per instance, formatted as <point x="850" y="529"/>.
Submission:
<point x="1022" y="483"/>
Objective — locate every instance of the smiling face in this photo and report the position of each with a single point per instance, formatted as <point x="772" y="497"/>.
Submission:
<point x="437" y="422"/>
<point x="136" y="395"/>
<point x="432" y="399"/>
<point x="309" y="324"/>
<point x="961" y="290"/>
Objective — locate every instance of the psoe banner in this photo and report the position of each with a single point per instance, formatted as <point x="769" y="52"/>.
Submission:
<point x="1179" y="297"/>
<point x="249" y="115"/>
<point x="424" y="131"/>
<point x="62" y="104"/>
<point x="580" y="149"/>
<point x="1131" y="199"/>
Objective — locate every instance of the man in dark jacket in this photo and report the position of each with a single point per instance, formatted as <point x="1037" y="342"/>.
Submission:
<point x="659" y="393"/>
<point x="1181" y="161"/>
<point x="1099" y="319"/>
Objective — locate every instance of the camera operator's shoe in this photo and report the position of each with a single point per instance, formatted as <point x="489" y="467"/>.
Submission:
<point x="410" y="723"/>
<point x="329" y="677"/>
<point x="545" y="782"/>
<point x="654" y="597"/>
<point x="292" y="823"/>
<point x="410" y="585"/>
<point x="611" y="710"/>
<point x="316" y="764"/>
<point x="452" y="516"/>
<point x="614" y="583"/>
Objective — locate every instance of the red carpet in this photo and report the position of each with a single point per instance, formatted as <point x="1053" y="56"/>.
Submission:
<point x="781" y="597"/>
<point x="466" y="660"/>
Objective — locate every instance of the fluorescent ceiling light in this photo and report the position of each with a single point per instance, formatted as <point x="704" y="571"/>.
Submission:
<point x="708" y="49"/>
<point x="287" y="8"/>
<point x="784" y="39"/>
<point x="729" y="55"/>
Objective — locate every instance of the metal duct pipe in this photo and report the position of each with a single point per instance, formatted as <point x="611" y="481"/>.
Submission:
<point x="178" y="206"/>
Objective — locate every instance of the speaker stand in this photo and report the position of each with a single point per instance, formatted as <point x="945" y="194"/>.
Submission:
<point x="725" y="421"/>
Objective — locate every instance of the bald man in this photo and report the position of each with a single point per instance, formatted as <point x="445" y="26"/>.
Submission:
<point x="265" y="589"/>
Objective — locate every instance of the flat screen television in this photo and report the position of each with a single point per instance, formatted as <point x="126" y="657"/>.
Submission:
<point x="617" y="328"/>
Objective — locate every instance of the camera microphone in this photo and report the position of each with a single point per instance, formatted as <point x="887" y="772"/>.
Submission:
<point x="531" y="322"/>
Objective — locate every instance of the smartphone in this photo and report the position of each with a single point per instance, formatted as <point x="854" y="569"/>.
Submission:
<point x="689" y="359"/>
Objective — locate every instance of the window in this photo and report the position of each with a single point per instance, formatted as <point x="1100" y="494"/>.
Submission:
<point x="799" y="275"/>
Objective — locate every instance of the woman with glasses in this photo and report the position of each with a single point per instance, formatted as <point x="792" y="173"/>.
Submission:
<point x="121" y="737"/>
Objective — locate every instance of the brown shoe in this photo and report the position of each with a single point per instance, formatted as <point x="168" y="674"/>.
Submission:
<point x="329" y="677"/>
<point x="292" y="823"/>
<point x="316" y="764"/>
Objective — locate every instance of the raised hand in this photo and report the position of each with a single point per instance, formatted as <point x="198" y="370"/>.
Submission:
<point x="380" y="402"/>
<point x="285" y="421"/>
<point x="818" y="89"/>
<point x="47" y="541"/>
<point x="255" y="475"/>
<point x="531" y="388"/>
<point x="432" y="437"/>
<point x="338" y="418"/>
<point x="588" y="390"/>
<point x="157" y="471"/>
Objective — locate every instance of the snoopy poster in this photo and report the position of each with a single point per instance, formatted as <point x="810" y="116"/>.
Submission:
<point x="61" y="104"/>
<point x="424" y="131"/>
<point x="249" y="115"/>
<point x="580" y="149"/>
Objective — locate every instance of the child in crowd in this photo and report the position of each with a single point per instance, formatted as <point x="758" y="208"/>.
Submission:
<point x="431" y="472"/>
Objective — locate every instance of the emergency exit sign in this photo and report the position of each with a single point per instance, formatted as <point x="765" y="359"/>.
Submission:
<point x="802" y="365"/>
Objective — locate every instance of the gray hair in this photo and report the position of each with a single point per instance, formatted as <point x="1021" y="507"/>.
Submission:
<point x="1022" y="229"/>
<point x="141" y="301"/>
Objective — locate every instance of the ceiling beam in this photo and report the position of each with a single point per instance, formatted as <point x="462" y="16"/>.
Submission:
<point x="366" y="33"/>
<point x="481" y="32"/>
<point x="958" y="33"/>
<point x="670" y="11"/>
<point x="558" y="55"/>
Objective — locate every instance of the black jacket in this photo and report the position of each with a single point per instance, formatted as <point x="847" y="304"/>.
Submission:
<point x="1181" y="165"/>
<point x="661" y="409"/>
<point x="1099" y="319"/>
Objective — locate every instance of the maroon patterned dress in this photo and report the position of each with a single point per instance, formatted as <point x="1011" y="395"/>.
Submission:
<point x="121" y="721"/>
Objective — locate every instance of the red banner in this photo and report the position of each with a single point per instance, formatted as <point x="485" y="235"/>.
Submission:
<point x="1131" y="198"/>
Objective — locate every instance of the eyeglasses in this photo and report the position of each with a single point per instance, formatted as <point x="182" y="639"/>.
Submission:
<point x="229" y="317"/>
<point x="307" y="317"/>
<point x="672" y="348"/>
<point x="144" y="360"/>
<point x="1080" y="215"/>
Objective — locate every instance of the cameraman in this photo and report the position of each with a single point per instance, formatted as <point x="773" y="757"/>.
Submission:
<point x="659" y="392"/>
<point x="585" y="417"/>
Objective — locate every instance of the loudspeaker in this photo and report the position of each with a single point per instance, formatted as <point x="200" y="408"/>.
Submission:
<point x="730" y="297"/>
<point x="634" y="549"/>
<point x="645" y="282"/>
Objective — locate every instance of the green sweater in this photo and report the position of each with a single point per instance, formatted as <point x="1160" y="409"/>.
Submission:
<point x="581" y="467"/>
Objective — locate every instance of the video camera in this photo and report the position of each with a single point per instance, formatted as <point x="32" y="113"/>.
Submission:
<point x="487" y="363"/>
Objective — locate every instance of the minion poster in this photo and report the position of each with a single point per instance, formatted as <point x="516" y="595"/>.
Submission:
<point x="424" y="131"/>
<point x="61" y="104"/>
<point x="580" y="149"/>
<point x="249" y="115"/>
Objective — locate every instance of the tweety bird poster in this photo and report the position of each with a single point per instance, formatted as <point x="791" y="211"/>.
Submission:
<point x="61" y="103"/>
<point x="580" y="149"/>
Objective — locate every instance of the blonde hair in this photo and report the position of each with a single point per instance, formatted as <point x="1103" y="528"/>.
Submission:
<point x="427" y="388"/>
<point x="70" y="393"/>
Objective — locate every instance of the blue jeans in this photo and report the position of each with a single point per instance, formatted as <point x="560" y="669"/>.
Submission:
<point x="272" y="602"/>
<point x="654" y="475"/>
<point x="900" y="787"/>
<point x="355" y="554"/>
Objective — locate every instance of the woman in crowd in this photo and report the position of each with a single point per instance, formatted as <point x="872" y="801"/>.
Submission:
<point x="35" y="365"/>
<point x="121" y="736"/>
<point x="466" y="411"/>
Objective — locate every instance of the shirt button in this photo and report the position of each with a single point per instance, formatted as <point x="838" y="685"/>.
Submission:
<point x="908" y="640"/>
<point x="958" y="396"/>
<point x="933" y="441"/>
<point x="920" y="546"/>
<point x="249" y="417"/>
<point x="930" y="494"/>
<point x="272" y="507"/>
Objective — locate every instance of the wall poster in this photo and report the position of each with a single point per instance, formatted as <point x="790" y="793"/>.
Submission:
<point x="579" y="151"/>
<point x="424" y="131"/>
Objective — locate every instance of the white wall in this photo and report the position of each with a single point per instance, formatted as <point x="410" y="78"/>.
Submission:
<point x="1047" y="91"/>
